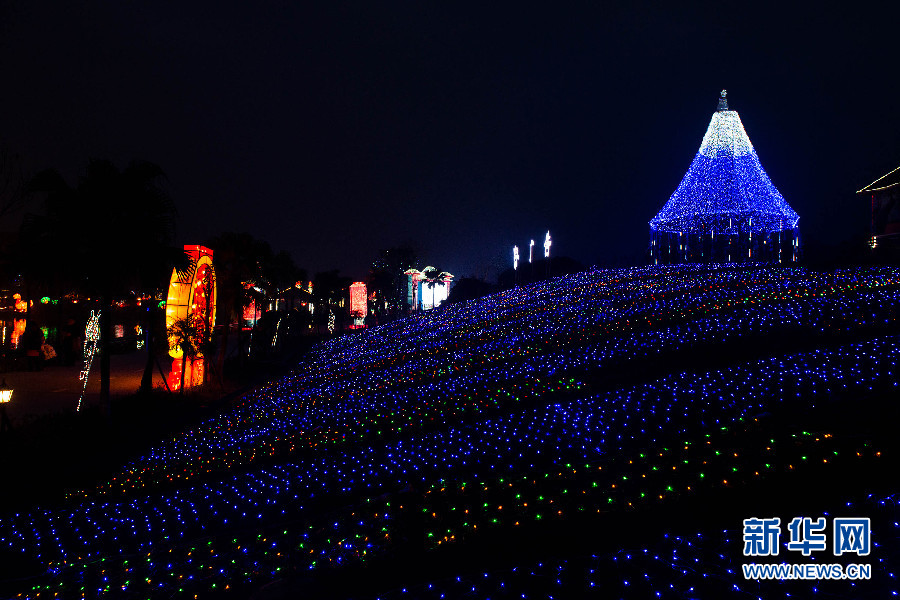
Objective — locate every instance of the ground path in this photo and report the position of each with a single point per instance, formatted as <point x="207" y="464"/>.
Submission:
<point x="56" y="388"/>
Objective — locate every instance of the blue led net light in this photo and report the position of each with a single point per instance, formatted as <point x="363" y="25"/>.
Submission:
<point x="725" y="190"/>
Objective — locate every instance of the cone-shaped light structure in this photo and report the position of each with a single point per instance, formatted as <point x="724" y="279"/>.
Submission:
<point x="726" y="207"/>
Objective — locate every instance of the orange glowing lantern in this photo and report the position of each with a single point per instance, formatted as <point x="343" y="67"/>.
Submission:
<point x="191" y="296"/>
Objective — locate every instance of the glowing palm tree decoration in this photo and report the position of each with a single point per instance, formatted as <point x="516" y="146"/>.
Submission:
<point x="187" y="335"/>
<point x="433" y="277"/>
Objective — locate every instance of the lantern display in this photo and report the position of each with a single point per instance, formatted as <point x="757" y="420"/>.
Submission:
<point x="191" y="298"/>
<point x="359" y="305"/>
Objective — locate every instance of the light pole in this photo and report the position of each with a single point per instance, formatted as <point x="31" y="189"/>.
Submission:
<point x="515" y="265"/>
<point x="531" y="257"/>
<point x="547" y="251"/>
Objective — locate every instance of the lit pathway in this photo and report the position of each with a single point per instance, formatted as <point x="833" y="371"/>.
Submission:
<point x="56" y="388"/>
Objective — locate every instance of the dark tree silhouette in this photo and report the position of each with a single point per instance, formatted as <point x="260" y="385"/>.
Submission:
<point x="470" y="288"/>
<point x="387" y="279"/>
<point x="240" y="281"/>
<point x="106" y="236"/>
<point x="328" y="289"/>
<point x="247" y="271"/>
<point x="13" y="183"/>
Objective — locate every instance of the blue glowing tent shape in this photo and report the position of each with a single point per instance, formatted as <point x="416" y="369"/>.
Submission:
<point x="725" y="190"/>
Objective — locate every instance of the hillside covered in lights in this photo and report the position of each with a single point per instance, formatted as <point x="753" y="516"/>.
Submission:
<point x="594" y="435"/>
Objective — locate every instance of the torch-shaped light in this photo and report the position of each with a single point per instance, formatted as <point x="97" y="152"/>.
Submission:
<point x="5" y="397"/>
<point x="547" y="245"/>
<point x="515" y="257"/>
<point x="531" y="251"/>
<point x="5" y="392"/>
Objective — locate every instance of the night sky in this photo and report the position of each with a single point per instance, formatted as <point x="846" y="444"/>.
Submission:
<point x="338" y="130"/>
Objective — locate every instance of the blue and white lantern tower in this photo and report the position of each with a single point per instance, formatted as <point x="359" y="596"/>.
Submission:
<point x="726" y="208"/>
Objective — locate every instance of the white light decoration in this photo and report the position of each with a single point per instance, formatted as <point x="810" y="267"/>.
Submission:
<point x="725" y="191"/>
<point x="530" y="251"/>
<point x="429" y="287"/>
<point x="547" y="245"/>
<point x="91" y="337"/>
<point x="515" y="257"/>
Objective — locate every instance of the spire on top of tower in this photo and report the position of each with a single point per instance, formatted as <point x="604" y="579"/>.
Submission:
<point x="723" y="102"/>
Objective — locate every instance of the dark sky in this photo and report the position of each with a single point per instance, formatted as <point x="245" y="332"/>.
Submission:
<point x="334" y="131"/>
